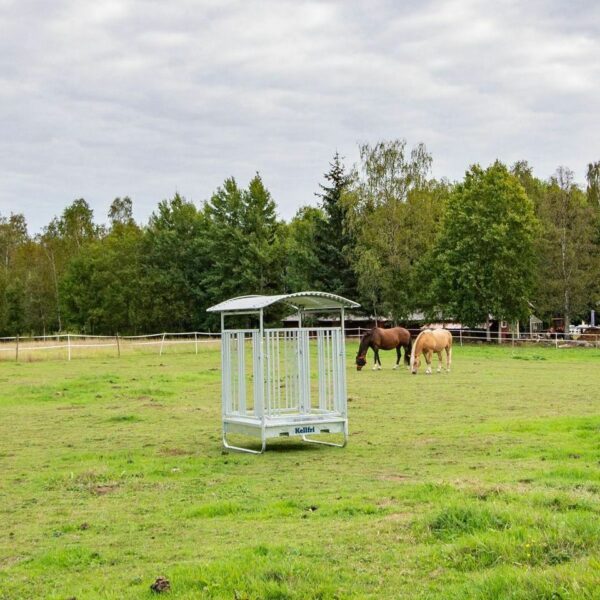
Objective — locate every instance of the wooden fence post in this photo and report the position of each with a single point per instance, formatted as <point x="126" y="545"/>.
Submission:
<point x="196" y="340"/>
<point x="118" y="346"/>
<point x="69" y="346"/>
<point x="17" y="349"/>
<point x="161" y="344"/>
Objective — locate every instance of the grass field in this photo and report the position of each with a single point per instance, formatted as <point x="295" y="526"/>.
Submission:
<point x="484" y="483"/>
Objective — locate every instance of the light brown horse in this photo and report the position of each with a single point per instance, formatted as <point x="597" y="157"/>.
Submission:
<point x="428" y="342"/>
<point x="384" y="339"/>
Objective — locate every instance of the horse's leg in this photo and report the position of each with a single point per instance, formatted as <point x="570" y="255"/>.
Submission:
<point x="376" y="361"/>
<point x="407" y="351"/>
<point x="448" y="358"/>
<point x="440" y="361"/>
<point x="428" y="356"/>
<point x="398" y="354"/>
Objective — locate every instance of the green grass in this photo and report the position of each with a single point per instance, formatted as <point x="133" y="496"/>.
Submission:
<point x="484" y="483"/>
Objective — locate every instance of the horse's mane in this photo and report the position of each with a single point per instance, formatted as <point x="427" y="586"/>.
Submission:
<point x="415" y="346"/>
<point x="364" y="340"/>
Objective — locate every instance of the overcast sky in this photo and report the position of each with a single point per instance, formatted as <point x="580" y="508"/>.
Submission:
<point x="143" y="98"/>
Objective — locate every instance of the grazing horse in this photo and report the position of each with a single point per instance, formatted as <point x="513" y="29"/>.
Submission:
<point x="384" y="339"/>
<point x="428" y="342"/>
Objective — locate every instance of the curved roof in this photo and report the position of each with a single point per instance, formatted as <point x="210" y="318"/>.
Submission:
<point x="299" y="300"/>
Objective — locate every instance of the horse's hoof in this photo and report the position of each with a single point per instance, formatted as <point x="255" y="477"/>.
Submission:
<point x="374" y="368"/>
<point x="395" y="367"/>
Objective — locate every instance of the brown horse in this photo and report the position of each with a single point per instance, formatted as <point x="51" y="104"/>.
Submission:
<point x="428" y="342"/>
<point x="384" y="339"/>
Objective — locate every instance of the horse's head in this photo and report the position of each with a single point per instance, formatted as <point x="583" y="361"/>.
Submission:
<point x="415" y="364"/>
<point x="361" y="361"/>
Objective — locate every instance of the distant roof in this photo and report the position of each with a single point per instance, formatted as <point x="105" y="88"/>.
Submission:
<point x="299" y="300"/>
<point x="348" y="317"/>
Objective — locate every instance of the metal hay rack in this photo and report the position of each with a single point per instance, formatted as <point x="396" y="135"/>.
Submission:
<point x="283" y="382"/>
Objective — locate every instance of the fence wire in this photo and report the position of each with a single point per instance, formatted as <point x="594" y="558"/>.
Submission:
<point x="66" y="346"/>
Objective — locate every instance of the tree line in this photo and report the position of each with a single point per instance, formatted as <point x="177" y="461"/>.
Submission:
<point x="385" y="232"/>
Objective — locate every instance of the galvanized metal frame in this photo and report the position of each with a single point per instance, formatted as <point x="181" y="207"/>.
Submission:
<point x="283" y="403"/>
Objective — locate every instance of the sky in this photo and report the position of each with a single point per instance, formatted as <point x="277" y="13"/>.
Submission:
<point x="146" y="98"/>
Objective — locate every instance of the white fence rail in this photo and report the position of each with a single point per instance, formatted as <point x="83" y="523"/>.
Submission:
<point x="70" y="345"/>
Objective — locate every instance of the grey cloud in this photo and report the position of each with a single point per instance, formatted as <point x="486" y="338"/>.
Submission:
<point x="145" y="98"/>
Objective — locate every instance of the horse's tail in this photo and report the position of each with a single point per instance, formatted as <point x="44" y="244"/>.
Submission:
<point x="409" y="346"/>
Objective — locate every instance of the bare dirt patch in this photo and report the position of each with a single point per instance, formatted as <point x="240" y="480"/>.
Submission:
<point x="102" y="490"/>
<point x="394" y="477"/>
<point x="398" y="517"/>
<point x="174" y="452"/>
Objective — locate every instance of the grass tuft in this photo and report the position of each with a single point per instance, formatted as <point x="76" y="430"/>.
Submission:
<point x="455" y="521"/>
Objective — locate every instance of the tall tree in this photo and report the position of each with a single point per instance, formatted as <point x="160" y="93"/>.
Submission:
<point x="593" y="183"/>
<point x="120" y="212"/>
<point x="568" y="254"/>
<point x="302" y="258"/>
<point x="62" y="239"/>
<point x="394" y="210"/>
<point x="334" y="242"/>
<point x="244" y="240"/>
<point x="485" y="249"/>
<point x="102" y="286"/>
<point x="174" y="259"/>
<point x="264" y="257"/>
<point x="13" y="235"/>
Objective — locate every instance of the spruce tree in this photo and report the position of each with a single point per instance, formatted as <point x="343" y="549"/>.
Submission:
<point x="333" y="239"/>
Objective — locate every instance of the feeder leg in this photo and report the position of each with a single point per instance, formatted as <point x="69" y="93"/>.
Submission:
<point x="343" y="445"/>
<point x="227" y="445"/>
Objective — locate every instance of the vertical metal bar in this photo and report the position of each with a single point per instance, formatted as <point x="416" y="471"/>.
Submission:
<point x="329" y="366"/>
<point x="68" y="347"/>
<point x="301" y="394"/>
<point x="304" y="371"/>
<point x="286" y="378"/>
<point x="258" y="374"/>
<point x="241" y="353"/>
<point x="336" y="370"/>
<point x="267" y="374"/>
<point x="278" y="365"/>
<point x="231" y="371"/>
<point x="265" y="408"/>
<point x="342" y="366"/>
<point x="225" y="375"/>
<point x="272" y="392"/>
<point x="273" y="374"/>
<point x="322" y="369"/>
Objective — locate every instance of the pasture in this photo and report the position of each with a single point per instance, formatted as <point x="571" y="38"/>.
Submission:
<point x="484" y="483"/>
